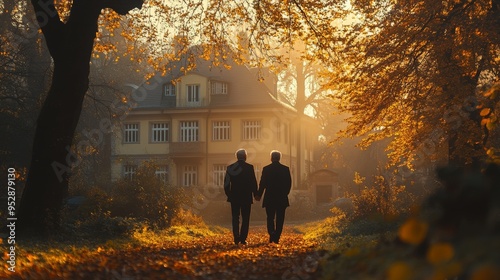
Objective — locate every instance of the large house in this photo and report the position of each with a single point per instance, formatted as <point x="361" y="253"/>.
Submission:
<point x="191" y="123"/>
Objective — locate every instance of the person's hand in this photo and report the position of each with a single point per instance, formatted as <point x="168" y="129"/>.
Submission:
<point x="257" y="197"/>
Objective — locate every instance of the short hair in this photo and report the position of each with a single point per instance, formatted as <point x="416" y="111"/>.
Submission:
<point x="241" y="154"/>
<point x="275" y="155"/>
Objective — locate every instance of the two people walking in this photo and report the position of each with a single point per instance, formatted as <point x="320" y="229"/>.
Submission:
<point x="240" y="185"/>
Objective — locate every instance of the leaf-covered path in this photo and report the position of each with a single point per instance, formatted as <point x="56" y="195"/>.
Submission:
<point x="213" y="257"/>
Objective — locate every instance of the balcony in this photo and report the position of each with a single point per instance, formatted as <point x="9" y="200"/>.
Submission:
<point x="190" y="103"/>
<point x="187" y="149"/>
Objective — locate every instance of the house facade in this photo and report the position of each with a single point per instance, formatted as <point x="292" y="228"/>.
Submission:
<point x="192" y="123"/>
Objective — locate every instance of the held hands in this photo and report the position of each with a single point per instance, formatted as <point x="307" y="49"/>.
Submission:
<point x="257" y="197"/>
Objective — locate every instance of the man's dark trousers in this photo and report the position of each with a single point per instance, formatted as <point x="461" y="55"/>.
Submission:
<point x="275" y="228"/>
<point x="240" y="235"/>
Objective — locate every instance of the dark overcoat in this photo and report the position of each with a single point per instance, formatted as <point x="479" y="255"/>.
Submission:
<point x="240" y="183"/>
<point x="276" y="181"/>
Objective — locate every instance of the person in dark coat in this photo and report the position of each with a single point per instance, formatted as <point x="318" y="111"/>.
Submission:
<point x="276" y="182"/>
<point x="239" y="185"/>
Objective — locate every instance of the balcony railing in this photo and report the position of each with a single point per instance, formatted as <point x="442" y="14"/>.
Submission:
<point x="187" y="148"/>
<point x="184" y="102"/>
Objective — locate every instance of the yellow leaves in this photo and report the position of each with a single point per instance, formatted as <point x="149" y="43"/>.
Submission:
<point x="490" y="125"/>
<point x="493" y="91"/>
<point x="31" y="257"/>
<point x="413" y="231"/>
<point x="491" y="152"/>
<point x="439" y="253"/>
<point x="358" y="179"/>
<point x="489" y="122"/>
<point x="485" y="112"/>
<point x="489" y="119"/>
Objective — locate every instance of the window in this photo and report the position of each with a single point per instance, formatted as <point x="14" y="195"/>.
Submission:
<point x="159" y="132"/>
<point x="129" y="171"/>
<point x="189" y="131"/>
<point x="190" y="175"/>
<point x="131" y="133"/>
<point x="251" y="130"/>
<point x="221" y="130"/>
<point x="169" y="89"/>
<point x="162" y="173"/>
<point x="218" y="88"/>
<point x="218" y="175"/>
<point x="193" y="94"/>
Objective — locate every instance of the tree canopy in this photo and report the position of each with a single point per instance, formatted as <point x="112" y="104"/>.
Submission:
<point x="413" y="71"/>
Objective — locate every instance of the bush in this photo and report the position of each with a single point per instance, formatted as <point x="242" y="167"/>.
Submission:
<point x="455" y="234"/>
<point x="382" y="199"/>
<point x="95" y="203"/>
<point x="146" y="197"/>
<point x="467" y="204"/>
<point x="186" y="218"/>
<point x="301" y="208"/>
<point x="105" y="227"/>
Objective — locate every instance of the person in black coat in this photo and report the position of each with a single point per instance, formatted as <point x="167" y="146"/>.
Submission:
<point x="276" y="181"/>
<point x="239" y="185"/>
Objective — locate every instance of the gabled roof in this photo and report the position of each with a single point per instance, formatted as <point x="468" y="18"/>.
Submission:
<point x="244" y="87"/>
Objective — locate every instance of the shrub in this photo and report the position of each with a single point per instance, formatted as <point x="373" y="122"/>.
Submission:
<point x="95" y="203"/>
<point x="453" y="235"/>
<point x="105" y="227"/>
<point x="301" y="208"/>
<point x="185" y="218"/>
<point x="146" y="197"/>
<point x="382" y="199"/>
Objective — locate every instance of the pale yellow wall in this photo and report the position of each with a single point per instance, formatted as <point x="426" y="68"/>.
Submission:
<point x="268" y="142"/>
<point x="144" y="146"/>
<point x="192" y="79"/>
<point x="220" y="152"/>
<point x="269" y="139"/>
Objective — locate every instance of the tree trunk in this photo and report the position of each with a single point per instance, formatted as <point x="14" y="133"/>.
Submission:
<point x="458" y="88"/>
<point x="47" y="181"/>
<point x="300" y="106"/>
<point x="70" y="45"/>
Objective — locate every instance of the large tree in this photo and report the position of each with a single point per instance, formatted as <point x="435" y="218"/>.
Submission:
<point x="412" y="72"/>
<point x="300" y="83"/>
<point x="70" y="44"/>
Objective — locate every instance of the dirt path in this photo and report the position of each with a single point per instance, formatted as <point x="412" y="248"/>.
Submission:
<point x="205" y="258"/>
